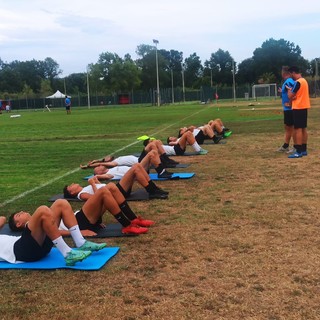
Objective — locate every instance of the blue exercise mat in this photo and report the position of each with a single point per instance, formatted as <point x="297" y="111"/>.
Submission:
<point x="54" y="260"/>
<point x="176" y="175"/>
<point x="154" y="176"/>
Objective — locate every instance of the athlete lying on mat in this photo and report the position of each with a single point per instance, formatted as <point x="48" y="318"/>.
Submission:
<point x="100" y="198"/>
<point x="40" y="232"/>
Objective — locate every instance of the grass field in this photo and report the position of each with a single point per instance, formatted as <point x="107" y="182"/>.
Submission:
<point x="238" y="241"/>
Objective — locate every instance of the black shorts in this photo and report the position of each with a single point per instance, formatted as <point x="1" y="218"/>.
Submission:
<point x="85" y="224"/>
<point x="125" y="193"/>
<point x="300" y="118"/>
<point x="178" y="150"/>
<point x="288" y="118"/>
<point x="28" y="249"/>
<point x="200" y="137"/>
<point x="67" y="107"/>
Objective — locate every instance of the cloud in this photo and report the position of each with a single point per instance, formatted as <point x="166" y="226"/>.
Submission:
<point x="74" y="33"/>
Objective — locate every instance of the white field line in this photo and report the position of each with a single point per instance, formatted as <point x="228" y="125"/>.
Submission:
<point x="21" y="195"/>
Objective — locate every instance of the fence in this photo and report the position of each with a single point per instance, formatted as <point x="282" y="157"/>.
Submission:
<point x="204" y="95"/>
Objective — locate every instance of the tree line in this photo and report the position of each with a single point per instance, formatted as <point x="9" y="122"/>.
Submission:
<point x="113" y="74"/>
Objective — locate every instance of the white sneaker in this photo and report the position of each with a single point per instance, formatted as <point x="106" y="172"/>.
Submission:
<point x="282" y="149"/>
<point x="292" y="150"/>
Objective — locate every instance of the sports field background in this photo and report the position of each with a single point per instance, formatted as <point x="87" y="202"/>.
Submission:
<point x="240" y="240"/>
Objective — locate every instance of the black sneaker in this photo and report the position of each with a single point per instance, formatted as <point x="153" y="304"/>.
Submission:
<point x="159" y="190"/>
<point x="216" y="139"/>
<point x="167" y="175"/>
<point x="157" y="195"/>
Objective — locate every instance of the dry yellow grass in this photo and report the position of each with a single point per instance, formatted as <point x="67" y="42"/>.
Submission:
<point x="238" y="241"/>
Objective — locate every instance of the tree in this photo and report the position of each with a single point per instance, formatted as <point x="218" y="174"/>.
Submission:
<point x="220" y="65"/>
<point x="246" y="72"/>
<point x="273" y="54"/>
<point x="192" y="71"/>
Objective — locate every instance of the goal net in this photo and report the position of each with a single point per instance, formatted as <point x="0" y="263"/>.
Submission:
<point x="264" y="91"/>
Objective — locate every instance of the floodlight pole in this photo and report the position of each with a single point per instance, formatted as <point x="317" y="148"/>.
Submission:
<point x="157" y="70"/>
<point x="234" y="82"/>
<point x="172" y="92"/>
<point x="183" y="88"/>
<point x="65" y="88"/>
<point x="88" y="87"/>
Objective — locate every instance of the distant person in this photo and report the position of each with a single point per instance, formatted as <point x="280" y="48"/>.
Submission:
<point x="287" y="110"/>
<point x="8" y="108"/>
<point x="299" y="95"/>
<point x="67" y="103"/>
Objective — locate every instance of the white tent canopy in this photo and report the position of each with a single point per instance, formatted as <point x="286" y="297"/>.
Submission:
<point x="57" y="95"/>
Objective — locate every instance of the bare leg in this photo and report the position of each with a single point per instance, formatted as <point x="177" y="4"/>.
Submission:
<point x="62" y="210"/>
<point x="2" y="221"/>
<point x="135" y="173"/>
<point x="42" y="223"/>
<point x="101" y="201"/>
<point x="288" y="133"/>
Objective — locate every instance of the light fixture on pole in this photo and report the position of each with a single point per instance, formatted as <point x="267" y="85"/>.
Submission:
<point x="234" y="82"/>
<point x="88" y="87"/>
<point x="172" y="91"/>
<point x="157" y="69"/>
<point x="183" y="88"/>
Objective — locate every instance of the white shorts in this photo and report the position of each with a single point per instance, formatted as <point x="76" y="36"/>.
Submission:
<point x="126" y="160"/>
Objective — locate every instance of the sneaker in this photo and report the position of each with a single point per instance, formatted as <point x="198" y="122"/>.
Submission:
<point x="292" y="150"/>
<point x="169" y="165"/>
<point x="75" y="256"/>
<point x="159" y="190"/>
<point x="203" y="151"/>
<point x="169" y="160"/>
<point x="92" y="246"/>
<point x="134" y="229"/>
<point x="142" y="222"/>
<point x="282" y="149"/>
<point x="304" y="153"/>
<point x="165" y="175"/>
<point x="158" y="195"/>
<point x="227" y="134"/>
<point x="216" y="139"/>
<point x="295" y="155"/>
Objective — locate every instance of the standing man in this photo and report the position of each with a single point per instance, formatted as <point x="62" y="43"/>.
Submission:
<point x="299" y="95"/>
<point x="287" y="109"/>
<point x="68" y="104"/>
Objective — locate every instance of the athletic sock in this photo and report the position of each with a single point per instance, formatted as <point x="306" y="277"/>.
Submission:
<point x="61" y="246"/>
<point x="285" y="145"/>
<point x="299" y="148"/>
<point x="76" y="235"/>
<point x="196" y="147"/>
<point x="122" y="219"/>
<point x="304" y="147"/>
<point x="142" y="155"/>
<point x="159" y="168"/>
<point x="151" y="187"/>
<point x="127" y="211"/>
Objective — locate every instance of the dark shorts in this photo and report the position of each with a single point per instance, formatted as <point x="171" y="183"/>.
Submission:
<point x="288" y="118"/>
<point x="300" y="118"/>
<point x="85" y="224"/>
<point x="67" y="107"/>
<point x="125" y="193"/>
<point x="28" y="249"/>
<point x="200" y="137"/>
<point x="178" y="150"/>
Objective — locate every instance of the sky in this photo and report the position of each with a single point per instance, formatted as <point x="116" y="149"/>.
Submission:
<point x="75" y="32"/>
